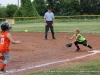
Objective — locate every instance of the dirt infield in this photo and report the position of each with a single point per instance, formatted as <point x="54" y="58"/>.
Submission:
<point x="34" y="50"/>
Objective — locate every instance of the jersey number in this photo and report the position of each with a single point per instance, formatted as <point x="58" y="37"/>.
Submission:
<point x="1" y="40"/>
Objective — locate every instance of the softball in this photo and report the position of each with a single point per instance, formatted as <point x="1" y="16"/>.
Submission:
<point x="26" y="30"/>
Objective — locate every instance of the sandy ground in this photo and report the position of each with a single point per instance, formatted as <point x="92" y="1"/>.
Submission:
<point x="34" y="50"/>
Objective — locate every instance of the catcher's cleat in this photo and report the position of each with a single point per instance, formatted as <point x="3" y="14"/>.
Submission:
<point x="91" y="49"/>
<point x="77" y="50"/>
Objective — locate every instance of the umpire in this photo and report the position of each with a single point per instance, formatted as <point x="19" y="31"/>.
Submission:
<point x="49" y="23"/>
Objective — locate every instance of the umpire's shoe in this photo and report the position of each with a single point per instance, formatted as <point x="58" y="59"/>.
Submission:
<point x="45" y="37"/>
<point x="53" y="37"/>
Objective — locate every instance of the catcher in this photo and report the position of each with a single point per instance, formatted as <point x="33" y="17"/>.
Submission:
<point x="79" y="39"/>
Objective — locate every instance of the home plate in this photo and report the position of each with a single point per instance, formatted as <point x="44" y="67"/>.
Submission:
<point x="94" y="51"/>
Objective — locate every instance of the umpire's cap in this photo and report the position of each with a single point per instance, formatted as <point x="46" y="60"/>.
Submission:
<point x="5" y="26"/>
<point x="49" y="8"/>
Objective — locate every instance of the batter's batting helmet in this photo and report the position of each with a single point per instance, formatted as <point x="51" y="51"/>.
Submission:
<point x="69" y="45"/>
<point x="5" y="26"/>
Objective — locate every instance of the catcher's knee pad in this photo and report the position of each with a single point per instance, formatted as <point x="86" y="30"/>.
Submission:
<point x="75" y="43"/>
<point x="84" y="44"/>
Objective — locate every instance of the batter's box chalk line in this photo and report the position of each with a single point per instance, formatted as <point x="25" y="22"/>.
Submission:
<point x="51" y="63"/>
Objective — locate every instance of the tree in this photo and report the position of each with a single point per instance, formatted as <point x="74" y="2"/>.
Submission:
<point x="64" y="7"/>
<point x="2" y="11"/>
<point x="99" y="6"/>
<point x="40" y="6"/>
<point x="90" y="6"/>
<point x="28" y="8"/>
<point x="19" y="13"/>
<point x="57" y="6"/>
<point x="10" y="10"/>
<point x="72" y="7"/>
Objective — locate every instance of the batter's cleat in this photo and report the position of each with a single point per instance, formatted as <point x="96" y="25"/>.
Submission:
<point x="77" y="50"/>
<point x="2" y="71"/>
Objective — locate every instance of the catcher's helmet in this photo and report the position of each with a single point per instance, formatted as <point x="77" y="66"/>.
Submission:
<point x="5" y="26"/>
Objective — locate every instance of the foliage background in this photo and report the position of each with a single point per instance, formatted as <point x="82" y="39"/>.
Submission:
<point x="59" y="7"/>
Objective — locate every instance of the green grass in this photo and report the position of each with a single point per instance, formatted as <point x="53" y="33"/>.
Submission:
<point x="87" y="68"/>
<point x="27" y="20"/>
<point x="85" y="27"/>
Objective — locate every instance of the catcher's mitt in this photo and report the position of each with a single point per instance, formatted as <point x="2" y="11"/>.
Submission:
<point x="69" y="45"/>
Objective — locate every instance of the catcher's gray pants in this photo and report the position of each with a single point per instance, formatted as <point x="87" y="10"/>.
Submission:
<point x="6" y="57"/>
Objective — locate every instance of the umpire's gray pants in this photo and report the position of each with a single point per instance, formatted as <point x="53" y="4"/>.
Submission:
<point x="6" y="57"/>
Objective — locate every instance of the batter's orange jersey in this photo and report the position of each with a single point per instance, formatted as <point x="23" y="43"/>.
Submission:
<point x="4" y="42"/>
